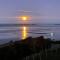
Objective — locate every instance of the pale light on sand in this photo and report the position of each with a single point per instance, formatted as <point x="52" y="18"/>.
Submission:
<point x="52" y="34"/>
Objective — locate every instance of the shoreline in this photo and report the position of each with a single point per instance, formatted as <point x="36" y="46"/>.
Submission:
<point x="28" y="47"/>
<point x="22" y="40"/>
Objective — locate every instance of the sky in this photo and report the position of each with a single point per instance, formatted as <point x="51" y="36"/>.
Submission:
<point x="41" y="11"/>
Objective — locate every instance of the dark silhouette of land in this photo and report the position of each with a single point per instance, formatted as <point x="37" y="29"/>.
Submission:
<point x="18" y="50"/>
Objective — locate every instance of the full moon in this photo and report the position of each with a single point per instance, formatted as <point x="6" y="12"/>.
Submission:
<point x="24" y="18"/>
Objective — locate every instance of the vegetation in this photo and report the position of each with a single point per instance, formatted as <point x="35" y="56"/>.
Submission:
<point x="37" y="47"/>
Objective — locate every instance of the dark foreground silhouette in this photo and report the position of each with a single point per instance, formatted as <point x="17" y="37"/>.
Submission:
<point x="19" y="50"/>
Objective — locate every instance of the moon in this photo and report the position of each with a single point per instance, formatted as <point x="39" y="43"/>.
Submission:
<point x="24" y="18"/>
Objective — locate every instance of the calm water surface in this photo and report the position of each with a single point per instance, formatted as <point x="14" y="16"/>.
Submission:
<point x="8" y="33"/>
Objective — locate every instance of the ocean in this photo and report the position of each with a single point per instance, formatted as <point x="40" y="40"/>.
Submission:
<point x="16" y="32"/>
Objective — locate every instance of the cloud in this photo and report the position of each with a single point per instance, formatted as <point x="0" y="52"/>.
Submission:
<point x="8" y="17"/>
<point x="24" y="11"/>
<point x="32" y="17"/>
<point x="27" y="11"/>
<point x="45" y="17"/>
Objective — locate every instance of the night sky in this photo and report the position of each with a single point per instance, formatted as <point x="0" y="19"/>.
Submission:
<point x="42" y="11"/>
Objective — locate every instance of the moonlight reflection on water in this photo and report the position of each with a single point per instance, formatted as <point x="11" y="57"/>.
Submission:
<point x="24" y="32"/>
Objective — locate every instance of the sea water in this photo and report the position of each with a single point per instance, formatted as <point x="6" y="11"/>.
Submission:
<point x="16" y="32"/>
